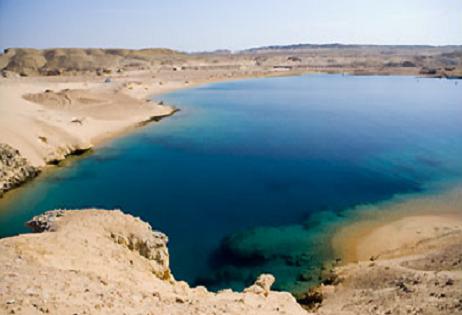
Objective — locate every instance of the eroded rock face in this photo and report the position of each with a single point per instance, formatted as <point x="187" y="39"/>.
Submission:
<point x="152" y="247"/>
<point x="107" y="262"/>
<point x="131" y="233"/>
<point x="14" y="169"/>
<point x="44" y="222"/>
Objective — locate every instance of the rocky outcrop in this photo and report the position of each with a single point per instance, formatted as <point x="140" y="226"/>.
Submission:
<point x="60" y="153"/>
<point x="107" y="262"/>
<point x="44" y="222"/>
<point x="14" y="169"/>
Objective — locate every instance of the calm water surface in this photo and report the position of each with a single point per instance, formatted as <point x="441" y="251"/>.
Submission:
<point x="252" y="176"/>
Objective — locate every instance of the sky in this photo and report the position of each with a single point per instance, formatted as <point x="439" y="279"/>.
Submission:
<point x="198" y="25"/>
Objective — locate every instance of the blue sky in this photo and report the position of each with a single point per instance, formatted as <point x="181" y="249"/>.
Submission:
<point x="193" y="25"/>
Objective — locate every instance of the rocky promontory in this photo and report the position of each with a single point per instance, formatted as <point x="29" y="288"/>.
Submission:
<point x="107" y="262"/>
<point x="14" y="169"/>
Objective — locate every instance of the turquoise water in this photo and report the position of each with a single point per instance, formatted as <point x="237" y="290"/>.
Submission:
<point x="252" y="176"/>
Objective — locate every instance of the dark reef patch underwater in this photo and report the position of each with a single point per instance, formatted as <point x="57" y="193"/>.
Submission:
<point x="254" y="176"/>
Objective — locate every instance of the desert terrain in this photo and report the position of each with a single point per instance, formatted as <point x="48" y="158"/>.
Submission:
<point x="103" y="262"/>
<point x="72" y="99"/>
<point x="56" y="103"/>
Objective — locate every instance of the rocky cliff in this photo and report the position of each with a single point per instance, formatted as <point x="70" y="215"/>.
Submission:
<point x="14" y="169"/>
<point x="107" y="262"/>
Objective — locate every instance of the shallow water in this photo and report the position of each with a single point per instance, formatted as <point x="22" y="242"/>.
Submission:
<point x="252" y="176"/>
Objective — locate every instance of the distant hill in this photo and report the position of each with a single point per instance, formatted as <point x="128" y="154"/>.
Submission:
<point x="302" y="47"/>
<point x="26" y="61"/>
<point x="442" y="61"/>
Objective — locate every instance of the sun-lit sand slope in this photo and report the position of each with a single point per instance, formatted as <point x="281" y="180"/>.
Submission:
<point x="426" y="280"/>
<point x="46" y="121"/>
<point x="400" y="226"/>
<point x="410" y="258"/>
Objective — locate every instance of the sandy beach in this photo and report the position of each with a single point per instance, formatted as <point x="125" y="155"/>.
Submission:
<point x="73" y="99"/>
<point x="400" y="227"/>
<point x="70" y="115"/>
<point x="398" y="257"/>
<point x="73" y="114"/>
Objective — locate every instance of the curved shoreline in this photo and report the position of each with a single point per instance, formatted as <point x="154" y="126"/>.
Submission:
<point x="138" y="86"/>
<point x="397" y="227"/>
<point x="367" y="240"/>
<point x="135" y="89"/>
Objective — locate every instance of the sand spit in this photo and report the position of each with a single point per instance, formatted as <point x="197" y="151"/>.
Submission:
<point x="106" y="262"/>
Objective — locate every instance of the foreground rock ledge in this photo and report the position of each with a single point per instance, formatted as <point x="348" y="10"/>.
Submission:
<point x="107" y="262"/>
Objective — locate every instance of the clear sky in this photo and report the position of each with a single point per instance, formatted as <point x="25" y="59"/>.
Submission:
<point x="193" y="25"/>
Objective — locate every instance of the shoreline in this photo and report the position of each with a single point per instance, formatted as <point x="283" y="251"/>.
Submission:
<point x="146" y="88"/>
<point x="139" y="86"/>
<point x="398" y="227"/>
<point x="364" y="243"/>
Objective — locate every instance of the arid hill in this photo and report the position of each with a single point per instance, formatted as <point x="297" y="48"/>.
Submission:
<point x="28" y="62"/>
<point x="440" y="61"/>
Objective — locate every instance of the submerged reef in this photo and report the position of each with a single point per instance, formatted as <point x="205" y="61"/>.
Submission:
<point x="298" y="255"/>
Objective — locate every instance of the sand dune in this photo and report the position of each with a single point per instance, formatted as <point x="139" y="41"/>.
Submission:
<point x="59" y="118"/>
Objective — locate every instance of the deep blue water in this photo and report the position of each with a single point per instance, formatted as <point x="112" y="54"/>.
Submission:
<point x="252" y="176"/>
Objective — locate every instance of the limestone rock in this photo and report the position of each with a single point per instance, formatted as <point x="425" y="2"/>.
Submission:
<point x="106" y="262"/>
<point x="14" y="169"/>
<point x="44" y="222"/>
